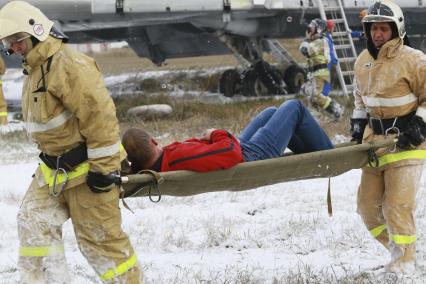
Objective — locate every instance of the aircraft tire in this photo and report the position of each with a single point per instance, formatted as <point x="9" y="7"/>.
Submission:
<point x="251" y="85"/>
<point x="295" y="76"/>
<point x="271" y="78"/>
<point x="229" y="82"/>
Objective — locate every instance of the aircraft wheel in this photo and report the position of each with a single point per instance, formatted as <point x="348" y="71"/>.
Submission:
<point x="252" y="86"/>
<point x="229" y="82"/>
<point x="271" y="78"/>
<point x="295" y="76"/>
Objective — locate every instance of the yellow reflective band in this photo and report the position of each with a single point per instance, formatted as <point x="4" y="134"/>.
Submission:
<point x="121" y="269"/>
<point x="40" y="251"/>
<point x="403" y="240"/>
<point x="326" y="104"/>
<point x="411" y="154"/>
<point x="3" y="113"/>
<point x="378" y="230"/>
<point x="49" y="174"/>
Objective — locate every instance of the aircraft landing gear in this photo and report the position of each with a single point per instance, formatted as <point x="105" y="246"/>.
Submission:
<point x="259" y="77"/>
<point x="259" y="80"/>
<point x="230" y="82"/>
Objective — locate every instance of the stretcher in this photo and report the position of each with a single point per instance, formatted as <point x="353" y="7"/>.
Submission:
<point x="321" y="164"/>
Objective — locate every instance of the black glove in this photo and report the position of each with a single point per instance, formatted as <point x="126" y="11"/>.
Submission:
<point x="99" y="183"/>
<point x="357" y="128"/>
<point x="413" y="135"/>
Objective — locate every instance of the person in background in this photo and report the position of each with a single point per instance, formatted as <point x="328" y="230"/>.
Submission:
<point x="333" y="59"/>
<point x="390" y="100"/>
<point x="316" y="49"/>
<point x="69" y="114"/>
<point x="266" y="136"/>
<point x="3" y="104"/>
<point x="360" y="34"/>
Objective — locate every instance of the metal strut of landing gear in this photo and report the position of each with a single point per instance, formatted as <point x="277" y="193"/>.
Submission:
<point x="259" y="77"/>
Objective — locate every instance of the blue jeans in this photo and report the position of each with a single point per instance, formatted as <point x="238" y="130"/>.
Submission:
<point x="274" y="129"/>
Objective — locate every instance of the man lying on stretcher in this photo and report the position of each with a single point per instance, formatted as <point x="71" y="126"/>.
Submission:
<point x="266" y="136"/>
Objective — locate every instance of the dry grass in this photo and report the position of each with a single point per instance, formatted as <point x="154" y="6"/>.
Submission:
<point x="191" y="118"/>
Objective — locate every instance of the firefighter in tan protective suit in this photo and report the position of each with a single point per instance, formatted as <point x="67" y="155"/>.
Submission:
<point x="316" y="49"/>
<point x="3" y="104"/>
<point x="390" y="99"/>
<point x="71" y="117"/>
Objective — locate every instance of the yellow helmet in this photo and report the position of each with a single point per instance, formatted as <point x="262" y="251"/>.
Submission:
<point x="21" y="17"/>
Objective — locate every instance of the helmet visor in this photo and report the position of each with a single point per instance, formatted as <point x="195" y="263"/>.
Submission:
<point x="15" y="38"/>
<point x="374" y="18"/>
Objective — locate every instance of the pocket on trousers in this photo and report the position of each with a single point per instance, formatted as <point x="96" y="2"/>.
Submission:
<point x="86" y="198"/>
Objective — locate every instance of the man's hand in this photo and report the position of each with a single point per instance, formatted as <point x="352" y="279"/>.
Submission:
<point x="207" y="134"/>
<point x="99" y="183"/>
<point x="413" y="135"/>
<point x="357" y="129"/>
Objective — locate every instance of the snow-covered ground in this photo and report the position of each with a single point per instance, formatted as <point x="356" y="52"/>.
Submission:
<point x="276" y="234"/>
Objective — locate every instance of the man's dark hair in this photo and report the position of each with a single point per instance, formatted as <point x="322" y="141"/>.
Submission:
<point x="136" y="142"/>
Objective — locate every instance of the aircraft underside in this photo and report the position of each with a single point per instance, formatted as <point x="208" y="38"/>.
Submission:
<point x="247" y="33"/>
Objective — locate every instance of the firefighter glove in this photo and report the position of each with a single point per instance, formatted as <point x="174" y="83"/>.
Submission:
<point x="99" y="183"/>
<point x="304" y="48"/>
<point x="357" y="129"/>
<point x="413" y="135"/>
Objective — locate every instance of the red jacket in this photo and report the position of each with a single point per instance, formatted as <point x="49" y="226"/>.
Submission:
<point x="222" y="151"/>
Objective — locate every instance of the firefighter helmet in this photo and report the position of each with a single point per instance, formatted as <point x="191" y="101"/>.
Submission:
<point x="319" y="26"/>
<point x="21" y="17"/>
<point x="385" y="11"/>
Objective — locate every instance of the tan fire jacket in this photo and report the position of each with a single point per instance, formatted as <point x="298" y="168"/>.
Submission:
<point x="392" y="85"/>
<point x="318" y="53"/>
<point x="65" y="102"/>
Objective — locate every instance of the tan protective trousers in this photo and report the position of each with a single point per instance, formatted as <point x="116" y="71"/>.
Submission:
<point x="386" y="203"/>
<point x="96" y="219"/>
<point x="317" y="97"/>
<point x="3" y="107"/>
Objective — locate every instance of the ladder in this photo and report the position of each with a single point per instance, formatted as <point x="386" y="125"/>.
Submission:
<point x="343" y="44"/>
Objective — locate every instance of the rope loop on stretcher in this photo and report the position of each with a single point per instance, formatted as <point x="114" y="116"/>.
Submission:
<point x="153" y="186"/>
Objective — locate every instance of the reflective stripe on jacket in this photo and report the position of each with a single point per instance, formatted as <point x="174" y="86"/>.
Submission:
<point x="73" y="178"/>
<point x="393" y="85"/>
<point x="319" y="53"/>
<point x="69" y="105"/>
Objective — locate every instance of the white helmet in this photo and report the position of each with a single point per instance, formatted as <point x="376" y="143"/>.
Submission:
<point x="21" y="17"/>
<point x="385" y="11"/>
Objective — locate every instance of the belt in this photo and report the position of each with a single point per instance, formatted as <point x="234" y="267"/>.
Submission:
<point x="67" y="161"/>
<point x="383" y="126"/>
<point x="317" y="67"/>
